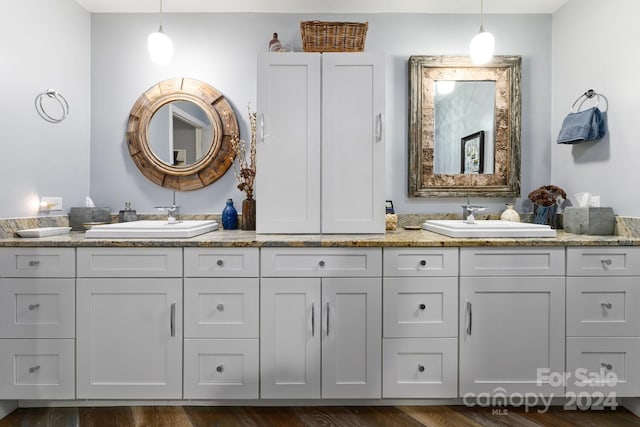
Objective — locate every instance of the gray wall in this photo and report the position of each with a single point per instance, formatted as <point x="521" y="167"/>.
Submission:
<point x="595" y="46"/>
<point x="45" y="44"/>
<point x="221" y="49"/>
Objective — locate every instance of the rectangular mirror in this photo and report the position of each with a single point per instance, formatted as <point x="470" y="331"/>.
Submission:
<point x="464" y="129"/>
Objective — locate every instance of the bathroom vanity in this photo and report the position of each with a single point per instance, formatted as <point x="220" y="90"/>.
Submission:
<point x="230" y="315"/>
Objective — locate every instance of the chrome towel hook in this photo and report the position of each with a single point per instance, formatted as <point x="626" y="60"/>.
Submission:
<point x="54" y="94"/>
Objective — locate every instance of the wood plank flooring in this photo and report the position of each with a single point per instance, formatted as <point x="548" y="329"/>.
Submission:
<point x="351" y="416"/>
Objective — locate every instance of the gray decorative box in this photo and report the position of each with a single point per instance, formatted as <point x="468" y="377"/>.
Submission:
<point x="593" y="221"/>
<point x="79" y="216"/>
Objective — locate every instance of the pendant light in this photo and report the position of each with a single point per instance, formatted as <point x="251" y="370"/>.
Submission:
<point x="481" y="46"/>
<point x="160" y="45"/>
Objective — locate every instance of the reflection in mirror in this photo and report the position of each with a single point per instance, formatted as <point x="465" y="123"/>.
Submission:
<point x="473" y="100"/>
<point x="464" y="127"/>
<point x="180" y="133"/>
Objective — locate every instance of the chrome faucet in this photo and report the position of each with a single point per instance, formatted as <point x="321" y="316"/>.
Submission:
<point x="472" y="211"/>
<point x="172" y="211"/>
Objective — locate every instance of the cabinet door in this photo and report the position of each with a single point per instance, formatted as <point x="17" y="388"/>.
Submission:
<point x="352" y="331"/>
<point x="290" y="338"/>
<point x="129" y="338"/>
<point x="353" y="143"/>
<point x="288" y="146"/>
<point x="510" y="328"/>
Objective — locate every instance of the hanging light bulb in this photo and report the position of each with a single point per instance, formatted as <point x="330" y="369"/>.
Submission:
<point x="481" y="46"/>
<point x="160" y="45"/>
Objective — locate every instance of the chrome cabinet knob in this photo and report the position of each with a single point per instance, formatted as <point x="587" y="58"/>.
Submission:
<point x="220" y="368"/>
<point x="607" y="366"/>
<point x="220" y="307"/>
<point x="606" y="262"/>
<point x="420" y="368"/>
<point x="321" y="263"/>
<point x="220" y="263"/>
<point x="33" y="307"/>
<point x="423" y="262"/>
<point x="33" y="263"/>
<point x="422" y="306"/>
<point x="606" y="305"/>
<point x="34" y="369"/>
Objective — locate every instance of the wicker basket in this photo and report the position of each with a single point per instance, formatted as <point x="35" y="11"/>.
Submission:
<point x="318" y="36"/>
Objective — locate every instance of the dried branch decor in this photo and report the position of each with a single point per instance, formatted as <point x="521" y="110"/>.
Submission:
<point x="245" y="170"/>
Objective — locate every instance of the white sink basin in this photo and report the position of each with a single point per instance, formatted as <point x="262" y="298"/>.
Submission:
<point x="488" y="228"/>
<point x="151" y="230"/>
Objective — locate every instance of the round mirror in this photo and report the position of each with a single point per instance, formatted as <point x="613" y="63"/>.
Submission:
<point x="179" y="134"/>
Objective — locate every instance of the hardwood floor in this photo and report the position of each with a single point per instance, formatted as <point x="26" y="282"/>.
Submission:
<point x="387" y="416"/>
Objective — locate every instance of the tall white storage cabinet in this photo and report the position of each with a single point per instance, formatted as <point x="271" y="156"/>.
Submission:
<point x="320" y="166"/>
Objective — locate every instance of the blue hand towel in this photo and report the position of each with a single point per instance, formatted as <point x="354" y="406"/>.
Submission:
<point x="587" y="125"/>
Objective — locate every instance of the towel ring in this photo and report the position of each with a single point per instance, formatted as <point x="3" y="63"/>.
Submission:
<point x="52" y="93"/>
<point x="589" y="95"/>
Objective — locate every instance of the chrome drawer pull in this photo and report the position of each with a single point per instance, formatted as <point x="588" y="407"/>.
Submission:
<point x="313" y="319"/>
<point x="172" y="326"/>
<point x="34" y="369"/>
<point x="33" y="307"/>
<point x="220" y="263"/>
<point x="327" y="318"/>
<point x="420" y="368"/>
<point x="220" y="307"/>
<point x="34" y="263"/>
<point x="220" y="368"/>
<point x="606" y="305"/>
<point x="607" y="366"/>
<point x="469" y="310"/>
<point x="422" y="306"/>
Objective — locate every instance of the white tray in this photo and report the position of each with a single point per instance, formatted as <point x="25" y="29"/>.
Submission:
<point x="43" y="232"/>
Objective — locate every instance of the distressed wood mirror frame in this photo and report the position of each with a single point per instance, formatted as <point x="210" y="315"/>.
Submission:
<point x="213" y="164"/>
<point x="505" y="181"/>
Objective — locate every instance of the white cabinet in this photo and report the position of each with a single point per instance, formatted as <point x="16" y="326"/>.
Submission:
<point x="129" y="329"/>
<point x="37" y="323"/>
<point x="321" y="336"/>
<point x="511" y="325"/>
<point x="603" y="320"/>
<point x="420" y="346"/>
<point x="320" y="152"/>
<point x="221" y="314"/>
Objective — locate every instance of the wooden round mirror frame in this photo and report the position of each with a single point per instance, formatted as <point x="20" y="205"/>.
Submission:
<point x="213" y="164"/>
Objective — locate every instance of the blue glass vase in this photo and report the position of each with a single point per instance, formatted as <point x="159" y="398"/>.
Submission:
<point x="229" y="216"/>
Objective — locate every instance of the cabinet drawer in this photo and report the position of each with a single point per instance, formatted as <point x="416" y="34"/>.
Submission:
<point x="37" y="308"/>
<point x="603" y="306"/>
<point x="420" y="262"/>
<point x="420" y="367"/>
<point x="129" y="262"/>
<point x="221" y="369"/>
<point x="37" y="369"/>
<point x="37" y="262"/>
<point x="507" y="261"/>
<point x="221" y="262"/>
<point x="599" y="261"/>
<point x="221" y="308"/>
<point x="321" y="262"/>
<point x="608" y="364"/>
<point x="420" y="307"/>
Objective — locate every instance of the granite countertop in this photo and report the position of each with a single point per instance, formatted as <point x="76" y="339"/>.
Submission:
<point x="398" y="238"/>
<point x="627" y="234"/>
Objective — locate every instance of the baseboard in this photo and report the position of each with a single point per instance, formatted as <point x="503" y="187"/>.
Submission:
<point x="7" y="407"/>
<point x="632" y="404"/>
